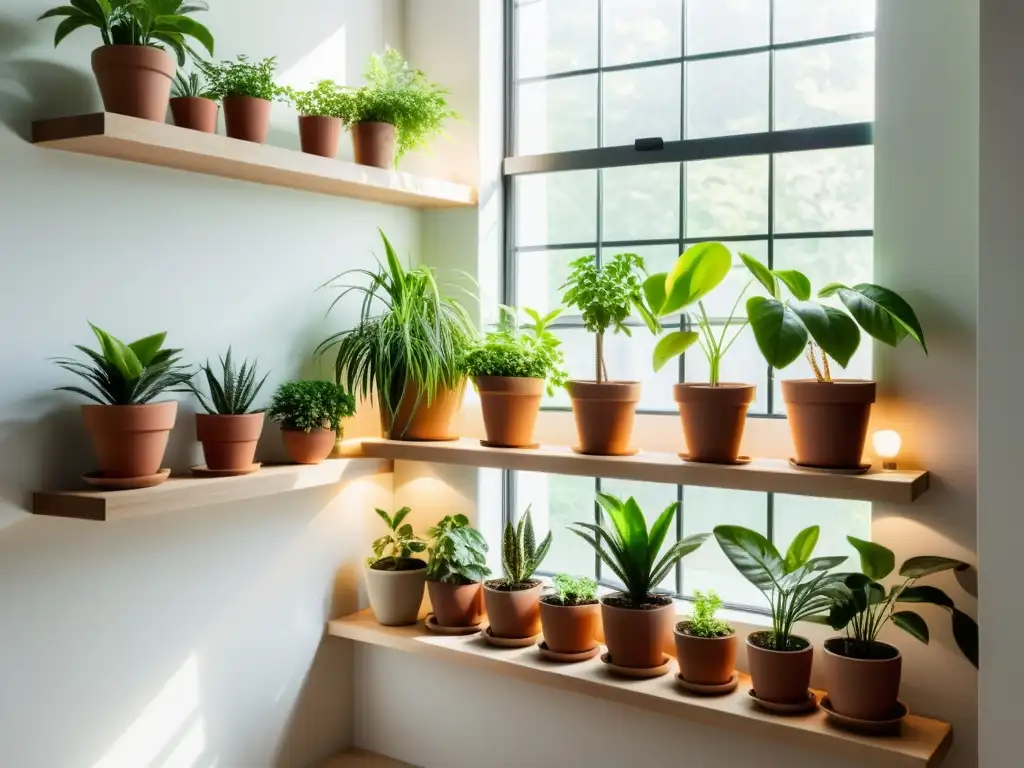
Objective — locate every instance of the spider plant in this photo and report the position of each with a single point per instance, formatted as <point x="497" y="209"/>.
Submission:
<point x="235" y="391"/>
<point x="193" y="86"/>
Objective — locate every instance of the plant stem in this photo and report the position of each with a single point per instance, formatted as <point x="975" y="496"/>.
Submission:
<point x="824" y="363"/>
<point x="812" y="359"/>
<point x="600" y="371"/>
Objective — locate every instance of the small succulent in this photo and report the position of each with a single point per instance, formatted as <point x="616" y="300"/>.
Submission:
<point x="234" y="393"/>
<point x="520" y="555"/>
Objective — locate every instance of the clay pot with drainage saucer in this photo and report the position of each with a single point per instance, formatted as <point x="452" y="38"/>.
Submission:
<point x="513" y="603"/>
<point x="706" y="649"/>
<point x="570" y="619"/>
<point x="455" y="572"/>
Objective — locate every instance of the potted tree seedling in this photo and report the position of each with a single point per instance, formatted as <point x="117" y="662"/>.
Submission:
<point x="132" y="67"/>
<point x="706" y="645"/>
<point x="246" y="90"/>
<point x="310" y="414"/>
<point x="397" y="111"/>
<point x="798" y="587"/>
<point x="394" y="578"/>
<point x="605" y="298"/>
<point x="230" y="429"/>
<point x="320" y="112"/>
<point x="571" y="617"/>
<point x="406" y="349"/>
<point x="456" y="568"/>
<point x="862" y="672"/>
<point x="193" y="104"/>
<point x="513" y="601"/>
<point x="129" y="431"/>
<point x="827" y="417"/>
<point x="511" y="369"/>
<point x="637" y="622"/>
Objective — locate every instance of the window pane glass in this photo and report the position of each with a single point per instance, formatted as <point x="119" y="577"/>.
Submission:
<point x="553" y="208"/>
<point x="641" y="202"/>
<point x="540" y="275"/>
<point x="555" y="36"/>
<point x="727" y="96"/>
<point x="727" y="197"/>
<point x="652" y="498"/>
<point x="557" y="115"/>
<point x="847" y="260"/>
<point x="836" y="518"/>
<point x="825" y="190"/>
<point x="825" y="85"/>
<point x="641" y="30"/>
<point x="810" y="19"/>
<point x="640" y="104"/>
<point x="557" y="501"/>
<point x="724" y="25"/>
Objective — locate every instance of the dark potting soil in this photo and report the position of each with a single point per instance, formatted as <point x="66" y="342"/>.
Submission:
<point x="619" y="600"/>
<point x="855" y="649"/>
<point x="398" y="564"/>
<point x="500" y="585"/>
<point x="684" y="628"/>
<point x="553" y="600"/>
<point x="766" y="640"/>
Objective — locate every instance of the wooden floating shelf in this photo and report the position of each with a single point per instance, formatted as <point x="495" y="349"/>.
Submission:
<point x="188" y="492"/>
<point x="767" y="475"/>
<point x="922" y="742"/>
<point x="143" y="141"/>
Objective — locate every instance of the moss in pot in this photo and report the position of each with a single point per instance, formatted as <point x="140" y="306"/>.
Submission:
<point x="705" y="645"/>
<point x="394" y="578"/>
<point x="571" y="617"/>
<point x="798" y="588"/>
<point x="637" y="621"/>
<point x="862" y="673"/>
<point x="513" y="602"/>
<point x="310" y="414"/>
<point x="456" y="568"/>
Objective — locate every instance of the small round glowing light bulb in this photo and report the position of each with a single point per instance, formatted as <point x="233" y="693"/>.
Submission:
<point x="887" y="444"/>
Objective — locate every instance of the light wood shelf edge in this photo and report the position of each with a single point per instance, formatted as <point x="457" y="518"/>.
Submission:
<point x="924" y="742"/>
<point x="142" y="141"/>
<point x="360" y="758"/>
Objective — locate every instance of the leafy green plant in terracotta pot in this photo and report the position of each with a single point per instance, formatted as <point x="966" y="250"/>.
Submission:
<point x="310" y="414"/>
<point x="863" y="673"/>
<point x="247" y="91"/>
<point x="637" y="622"/>
<point x="320" y="111"/>
<point x="798" y="587"/>
<point x="132" y="67"/>
<point x="511" y="369"/>
<point x="705" y="645"/>
<point x="193" y="105"/>
<point x="605" y="297"/>
<point x="571" y="617"/>
<point x="397" y="111"/>
<point x="394" y="578"/>
<point x="456" y="569"/>
<point x="513" y="601"/>
<point x="129" y="431"/>
<point x="828" y="417"/>
<point x="406" y="350"/>
<point x="230" y="429"/>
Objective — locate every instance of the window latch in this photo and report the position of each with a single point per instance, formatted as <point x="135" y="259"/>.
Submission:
<point x="655" y="144"/>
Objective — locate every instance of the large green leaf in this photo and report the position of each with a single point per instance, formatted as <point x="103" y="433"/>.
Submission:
<point x="882" y="313"/>
<point x="911" y="623"/>
<point x="754" y="556"/>
<point x="673" y="345"/>
<point x="697" y="272"/>
<point x="926" y="565"/>
<point x="925" y="594"/>
<point x="654" y="292"/>
<point x="659" y="530"/>
<point x="876" y="561"/>
<point x="69" y="25"/>
<point x="118" y="354"/>
<point x="800" y="550"/>
<point x="965" y="632"/>
<point x="780" y="334"/>
<point x="186" y="26"/>
<point x="797" y="282"/>
<point x="146" y="349"/>
<point x="830" y="328"/>
<point x="763" y="275"/>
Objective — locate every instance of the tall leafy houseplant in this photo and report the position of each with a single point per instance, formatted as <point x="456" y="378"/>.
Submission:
<point x="456" y="568"/>
<point x="129" y="431"/>
<point x="513" y="601"/>
<point x="406" y="349"/>
<point x="394" y="576"/>
<point x="310" y="414"/>
<point x="247" y="91"/>
<point x="132" y="68"/>
<point x="320" y="109"/>
<point x="605" y="297"/>
<point x="637" y="622"/>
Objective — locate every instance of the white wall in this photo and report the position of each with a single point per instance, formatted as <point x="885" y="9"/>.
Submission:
<point x="194" y="638"/>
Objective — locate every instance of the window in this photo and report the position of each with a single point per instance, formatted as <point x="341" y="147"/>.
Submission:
<point x="765" y="110"/>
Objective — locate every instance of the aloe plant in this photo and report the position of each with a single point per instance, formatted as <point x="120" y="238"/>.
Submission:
<point x="520" y="555"/>
<point x="233" y="394"/>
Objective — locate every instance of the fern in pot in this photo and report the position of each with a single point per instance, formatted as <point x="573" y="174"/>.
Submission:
<point x="456" y="568"/>
<point x="310" y="414"/>
<point x="705" y="644"/>
<point x="247" y="91"/>
<point x="320" y="112"/>
<point x="513" y="601"/>
<point x="394" y="577"/>
<point x="570" y="617"/>
<point x="193" y="104"/>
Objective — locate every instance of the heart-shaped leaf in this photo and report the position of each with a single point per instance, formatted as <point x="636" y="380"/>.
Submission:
<point x="830" y="328"/>
<point x="780" y="334"/>
<point x="882" y="313"/>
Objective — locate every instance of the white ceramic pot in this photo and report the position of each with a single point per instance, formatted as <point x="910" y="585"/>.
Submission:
<point x="396" y="596"/>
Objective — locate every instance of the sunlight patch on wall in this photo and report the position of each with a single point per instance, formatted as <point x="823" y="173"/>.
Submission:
<point x="326" y="62"/>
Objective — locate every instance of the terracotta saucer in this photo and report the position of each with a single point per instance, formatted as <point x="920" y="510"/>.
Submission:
<point x="509" y="642"/>
<point x="787" y="708"/>
<point x="739" y="460"/>
<point x="567" y="658"/>
<point x="451" y="439"/>
<point x="709" y="690"/>
<point x="581" y="452"/>
<point x="889" y="726"/>
<point x="529" y="447"/>
<point x="862" y="469"/>
<point x="202" y="471"/>
<point x="640" y="673"/>
<point x="125" y="483"/>
<point x="433" y="626"/>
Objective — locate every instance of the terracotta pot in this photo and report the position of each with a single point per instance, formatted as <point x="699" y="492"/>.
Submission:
<point x="780" y="676"/>
<point x="636" y="637"/>
<point x="396" y="596"/>
<point x="867" y="689"/>
<point x="229" y="442"/>
<point x="570" y="628"/>
<point x="320" y="135"/>
<point x="129" y="440"/>
<point x="246" y="118"/>
<point x="829" y="422"/>
<point x="705" y="660"/>
<point x="308" y="447"/>
<point x="604" y="415"/>
<point x="425" y="421"/>
<point x="374" y="144"/>
<point x="196" y="114"/>
<point x="456" y="605"/>
<point x="510" y="406"/>
<point x="134" y="80"/>
<point x="713" y="419"/>
<point x="513" y="614"/>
